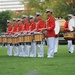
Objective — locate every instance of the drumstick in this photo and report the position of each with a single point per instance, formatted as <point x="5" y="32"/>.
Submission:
<point x="32" y="31"/>
<point x="25" y="32"/>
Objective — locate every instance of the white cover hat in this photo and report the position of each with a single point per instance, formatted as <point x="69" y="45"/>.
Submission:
<point x="25" y="16"/>
<point x="70" y="15"/>
<point x="31" y="16"/>
<point x="14" y="19"/>
<point x="38" y="13"/>
<point x="19" y="19"/>
<point x="48" y="10"/>
<point x="8" y="21"/>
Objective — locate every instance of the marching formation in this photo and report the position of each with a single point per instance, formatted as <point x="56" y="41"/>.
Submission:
<point x="24" y="36"/>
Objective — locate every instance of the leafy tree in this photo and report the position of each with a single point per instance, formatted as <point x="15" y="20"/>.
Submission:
<point x="4" y="16"/>
<point x="60" y="7"/>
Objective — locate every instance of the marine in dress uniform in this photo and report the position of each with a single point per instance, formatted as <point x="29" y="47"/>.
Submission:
<point x="50" y="25"/>
<point x="8" y="33"/>
<point x="57" y="29"/>
<point x="71" y="25"/>
<point x="40" y="26"/>
<point x="67" y="29"/>
<point x="26" y="30"/>
<point x="15" y="30"/>
<point x="32" y="30"/>
<point x="20" y="30"/>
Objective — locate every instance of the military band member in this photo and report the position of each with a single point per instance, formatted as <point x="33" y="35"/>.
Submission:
<point x="40" y="26"/>
<point x="26" y="31"/>
<point x="20" y="30"/>
<point x="71" y="25"/>
<point x="57" y="29"/>
<point x="68" y="26"/>
<point x="50" y="25"/>
<point x="8" y="33"/>
<point x="15" y="30"/>
<point x="32" y="30"/>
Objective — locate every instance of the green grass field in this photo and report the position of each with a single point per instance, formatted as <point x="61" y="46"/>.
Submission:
<point x="62" y="64"/>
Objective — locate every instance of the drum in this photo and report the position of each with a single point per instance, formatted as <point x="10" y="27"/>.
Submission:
<point x="0" y="39"/>
<point x="61" y="22"/>
<point x="69" y="36"/>
<point x="27" y="38"/>
<point x="38" y="36"/>
<point x="9" y="40"/>
<point x="20" y="38"/>
<point x="15" y="40"/>
<point x="4" y="40"/>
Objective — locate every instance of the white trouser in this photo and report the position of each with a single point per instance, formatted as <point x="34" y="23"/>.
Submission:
<point x="56" y="45"/>
<point x="50" y="43"/>
<point x="9" y="50"/>
<point x="16" y="50"/>
<point x="26" y="50"/>
<point x="21" y="51"/>
<point x="70" y="46"/>
<point x="0" y="45"/>
<point x="40" y="50"/>
<point x="33" y="49"/>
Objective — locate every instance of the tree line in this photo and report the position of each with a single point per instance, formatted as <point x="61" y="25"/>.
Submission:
<point x="60" y="9"/>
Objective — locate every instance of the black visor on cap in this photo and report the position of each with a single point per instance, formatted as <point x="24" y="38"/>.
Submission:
<point x="31" y="17"/>
<point x="7" y="22"/>
<point x="37" y="15"/>
<point x="14" y="20"/>
<point x="24" y="17"/>
<point x="69" y="16"/>
<point x="18" y="20"/>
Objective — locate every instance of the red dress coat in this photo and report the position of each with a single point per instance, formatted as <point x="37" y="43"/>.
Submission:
<point x="66" y="25"/>
<point x="50" y="24"/>
<point x="9" y="29"/>
<point x="26" y="26"/>
<point x="32" y="26"/>
<point x="20" y="28"/>
<point x="15" y="27"/>
<point x="40" y="25"/>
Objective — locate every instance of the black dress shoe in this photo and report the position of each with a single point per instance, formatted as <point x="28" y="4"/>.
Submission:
<point x="69" y="52"/>
<point x="55" y="53"/>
